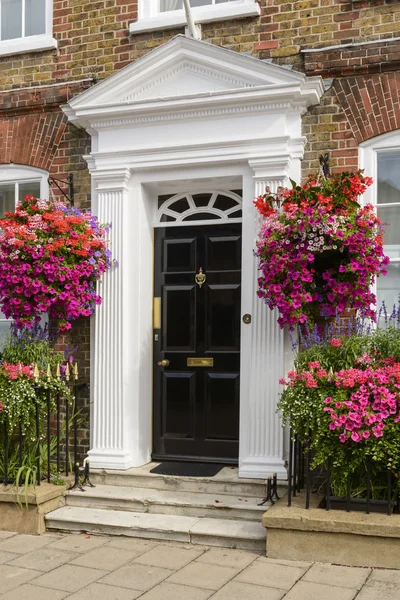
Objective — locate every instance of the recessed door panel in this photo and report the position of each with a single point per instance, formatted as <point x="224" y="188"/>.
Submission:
<point x="222" y="318"/>
<point x="178" y="409"/>
<point x="179" y="255"/>
<point x="224" y="253"/>
<point x="222" y="402"/>
<point x="178" y="312"/>
<point x="197" y="350"/>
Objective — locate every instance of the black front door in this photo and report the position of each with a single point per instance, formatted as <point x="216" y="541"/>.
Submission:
<point x="197" y="347"/>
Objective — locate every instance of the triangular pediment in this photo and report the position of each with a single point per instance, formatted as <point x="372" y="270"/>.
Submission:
<point x="184" y="67"/>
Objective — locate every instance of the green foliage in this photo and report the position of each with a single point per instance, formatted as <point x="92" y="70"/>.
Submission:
<point x="303" y="405"/>
<point x="24" y="399"/>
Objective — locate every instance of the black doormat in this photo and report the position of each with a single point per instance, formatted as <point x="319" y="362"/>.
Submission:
<point x="187" y="469"/>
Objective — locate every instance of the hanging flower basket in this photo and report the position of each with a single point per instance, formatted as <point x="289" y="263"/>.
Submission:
<point x="51" y="257"/>
<point x="319" y="250"/>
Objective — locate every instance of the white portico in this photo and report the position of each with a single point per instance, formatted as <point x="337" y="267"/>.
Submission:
<point x="188" y="116"/>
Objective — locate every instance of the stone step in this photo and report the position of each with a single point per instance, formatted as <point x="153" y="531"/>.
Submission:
<point x="226" y="481"/>
<point x="153" y="501"/>
<point x="210" y="532"/>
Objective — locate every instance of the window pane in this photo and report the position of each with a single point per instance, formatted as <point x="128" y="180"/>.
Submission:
<point x="170" y="5"/>
<point x="389" y="177"/>
<point x="7" y="198"/>
<point x="35" y="18"/>
<point x="194" y="3"/>
<point x="166" y="5"/>
<point x="388" y="288"/>
<point x="29" y="189"/>
<point x="390" y="218"/>
<point x="11" y="19"/>
<point x="4" y="329"/>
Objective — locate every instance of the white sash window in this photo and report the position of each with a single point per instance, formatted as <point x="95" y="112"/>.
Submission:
<point x="380" y="158"/>
<point x="16" y="183"/>
<point x="166" y="14"/>
<point x="26" y="25"/>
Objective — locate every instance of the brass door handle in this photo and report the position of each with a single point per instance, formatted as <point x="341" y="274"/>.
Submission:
<point x="163" y="363"/>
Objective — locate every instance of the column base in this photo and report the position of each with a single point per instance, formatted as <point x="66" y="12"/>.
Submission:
<point x="262" y="467"/>
<point x="110" y="459"/>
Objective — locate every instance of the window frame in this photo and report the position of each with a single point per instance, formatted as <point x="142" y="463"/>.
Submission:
<point x="368" y="160"/>
<point x="151" y="19"/>
<point x="39" y="42"/>
<point x="16" y="174"/>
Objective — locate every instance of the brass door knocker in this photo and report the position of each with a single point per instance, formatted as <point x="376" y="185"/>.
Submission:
<point x="200" y="278"/>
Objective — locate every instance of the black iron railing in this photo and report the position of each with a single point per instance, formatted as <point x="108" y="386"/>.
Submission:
<point x="378" y="492"/>
<point x="49" y="450"/>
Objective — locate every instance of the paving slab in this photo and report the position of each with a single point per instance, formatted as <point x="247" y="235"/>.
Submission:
<point x="33" y="592"/>
<point x="137" y="577"/>
<point x="307" y="590"/>
<point x="204" y="575"/>
<point x="226" y="557"/>
<point x="98" y="591"/>
<point x="6" y="557"/>
<point x="69" y="578"/>
<point x="132" y="544"/>
<point x="105" y="557"/>
<point x="173" y="591"/>
<point x="377" y="590"/>
<point x="169" y="557"/>
<point x="22" y="544"/>
<point x="235" y="590"/>
<point x="289" y="563"/>
<point x="6" y="534"/>
<point x="44" y="559"/>
<point x="271" y="575"/>
<point x="12" y="577"/>
<point x="79" y="543"/>
<point x="348" y="577"/>
<point x="385" y="575"/>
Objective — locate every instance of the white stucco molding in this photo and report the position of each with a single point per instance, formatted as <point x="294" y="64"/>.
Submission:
<point x="198" y="78"/>
<point x="187" y="112"/>
<point x="114" y="179"/>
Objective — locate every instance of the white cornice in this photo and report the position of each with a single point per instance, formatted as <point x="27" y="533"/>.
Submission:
<point x="270" y="157"/>
<point x="287" y="98"/>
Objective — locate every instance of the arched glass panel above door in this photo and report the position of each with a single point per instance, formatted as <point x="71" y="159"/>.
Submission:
<point x="200" y="206"/>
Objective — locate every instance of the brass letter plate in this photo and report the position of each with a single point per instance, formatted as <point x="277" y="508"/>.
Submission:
<point x="200" y="362"/>
<point x="156" y="313"/>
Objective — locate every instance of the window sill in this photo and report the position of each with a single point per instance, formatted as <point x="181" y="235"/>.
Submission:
<point x="200" y="15"/>
<point x="32" y="43"/>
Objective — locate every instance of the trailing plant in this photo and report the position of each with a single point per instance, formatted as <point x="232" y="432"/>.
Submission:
<point x="319" y="250"/>
<point x="51" y="257"/>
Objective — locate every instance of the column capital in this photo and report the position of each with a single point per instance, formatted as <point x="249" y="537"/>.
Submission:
<point x="276" y="167"/>
<point x="112" y="179"/>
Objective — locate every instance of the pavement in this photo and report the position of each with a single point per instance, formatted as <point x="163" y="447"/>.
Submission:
<point x="83" y="567"/>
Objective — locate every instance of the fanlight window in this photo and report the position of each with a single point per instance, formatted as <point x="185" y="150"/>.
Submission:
<point x="200" y="206"/>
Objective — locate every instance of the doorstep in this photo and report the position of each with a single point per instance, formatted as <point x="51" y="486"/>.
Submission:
<point x="335" y="536"/>
<point x="24" y="512"/>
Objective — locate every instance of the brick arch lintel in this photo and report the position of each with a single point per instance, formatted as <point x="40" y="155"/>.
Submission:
<point x="371" y="104"/>
<point x="31" y="139"/>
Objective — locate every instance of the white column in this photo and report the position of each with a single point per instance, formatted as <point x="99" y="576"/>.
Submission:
<point x="263" y="361"/>
<point x="114" y="397"/>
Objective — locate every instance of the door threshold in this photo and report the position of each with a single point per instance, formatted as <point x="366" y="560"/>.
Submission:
<point x="229" y="462"/>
